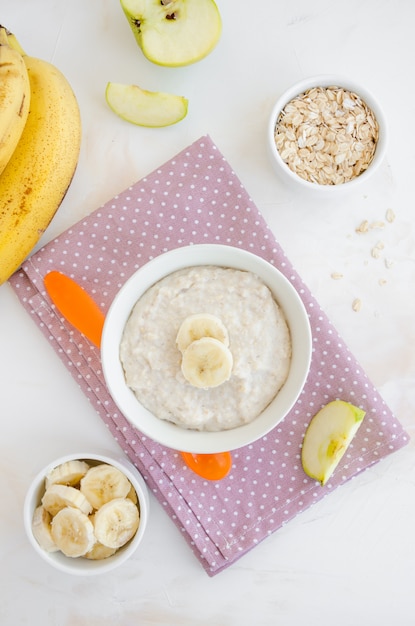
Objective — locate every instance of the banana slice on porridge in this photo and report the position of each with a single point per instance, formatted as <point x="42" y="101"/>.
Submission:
<point x="200" y="325"/>
<point x="207" y="362"/>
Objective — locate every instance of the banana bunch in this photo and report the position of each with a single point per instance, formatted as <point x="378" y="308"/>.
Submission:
<point x="14" y="98"/>
<point x="40" y="137"/>
<point x="203" y="341"/>
<point x="86" y="511"/>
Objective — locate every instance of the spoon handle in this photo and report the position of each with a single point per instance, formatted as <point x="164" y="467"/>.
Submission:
<point x="76" y="305"/>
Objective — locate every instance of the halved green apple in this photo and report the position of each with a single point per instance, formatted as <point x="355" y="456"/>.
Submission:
<point x="145" y="108"/>
<point x="174" y="32"/>
<point x="327" y="438"/>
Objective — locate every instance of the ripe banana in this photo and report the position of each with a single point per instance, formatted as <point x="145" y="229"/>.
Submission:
<point x="14" y="98"/>
<point x="201" y="325"/>
<point x="56" y="497"/>
<point x="41" y="168"/>
<point x="203" y="340"/>
<point x="66" y="520"/>
<point x="67" y="473"/>
<point x="98" y="550"/>
<point x="132" y="495"/>
<point x="116" y="522"/>
<point x="207" y="362"/>
<point x="72" y="532"/>
<point x="41" y="527"/>
<point x="103" y="483"/>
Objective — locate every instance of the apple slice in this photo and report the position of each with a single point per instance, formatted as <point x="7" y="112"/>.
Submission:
<point x="327" y="438"/>
<point x="174" y="32"/>
<point x="145" y="108"/>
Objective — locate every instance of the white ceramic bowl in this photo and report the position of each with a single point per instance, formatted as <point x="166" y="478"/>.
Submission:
<point x="82" y="566"/>
<point x="165" y="432"/>
<point x="326" y="80"/>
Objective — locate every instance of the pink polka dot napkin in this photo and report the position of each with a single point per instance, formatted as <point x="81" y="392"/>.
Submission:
<point x="196" y="197"/>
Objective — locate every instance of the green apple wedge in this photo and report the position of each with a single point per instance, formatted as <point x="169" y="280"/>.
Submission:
<point x="174" y="33"/>
<point x="327" y="438"/>
<point x="145" y="108"/>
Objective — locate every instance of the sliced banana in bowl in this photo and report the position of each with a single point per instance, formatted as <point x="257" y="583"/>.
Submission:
<point x="86" y="513"/>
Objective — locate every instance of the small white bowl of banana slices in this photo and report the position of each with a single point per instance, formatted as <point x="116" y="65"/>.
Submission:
<point x="86" y="513"/>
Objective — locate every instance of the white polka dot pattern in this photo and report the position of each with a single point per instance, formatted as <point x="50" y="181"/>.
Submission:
<point x="196" y="198"/>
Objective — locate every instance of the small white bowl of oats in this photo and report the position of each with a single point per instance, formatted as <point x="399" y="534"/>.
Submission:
<point x="327" y="133"/>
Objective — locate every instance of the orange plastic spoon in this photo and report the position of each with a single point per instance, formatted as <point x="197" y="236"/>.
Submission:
<point x="80" y="310"/>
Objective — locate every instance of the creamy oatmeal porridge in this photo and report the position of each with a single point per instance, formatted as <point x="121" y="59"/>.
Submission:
<point x="259" y="341"/>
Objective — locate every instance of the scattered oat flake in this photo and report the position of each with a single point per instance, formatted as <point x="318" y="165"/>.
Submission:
<point x="377" y="224"/>
<point x="363" y="227"/>
<point x="377" y="249"/>
<point x="382" y="281"/>
<point x="356" y="305"/>
<point x="389" y="263"/>
<point x="390" y="216"/>
<point x="336" y="275"/>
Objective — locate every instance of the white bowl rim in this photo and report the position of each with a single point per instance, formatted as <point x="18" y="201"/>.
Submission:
<point x="81" y="566"/>
<point x="169" y="434"/>
<point x="327" y="80"/>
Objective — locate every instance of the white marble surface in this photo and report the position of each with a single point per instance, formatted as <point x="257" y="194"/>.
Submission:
<point x="351" y="558"/>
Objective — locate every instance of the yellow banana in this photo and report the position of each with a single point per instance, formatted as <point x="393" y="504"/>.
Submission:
<point x="14" y="98"/>
<point x="35" y="180"/>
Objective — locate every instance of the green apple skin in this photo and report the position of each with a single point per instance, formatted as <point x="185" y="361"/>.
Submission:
<point x="174" y="33"/>
<point x="327" y="438"/>
<point x="153" y="109"/>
